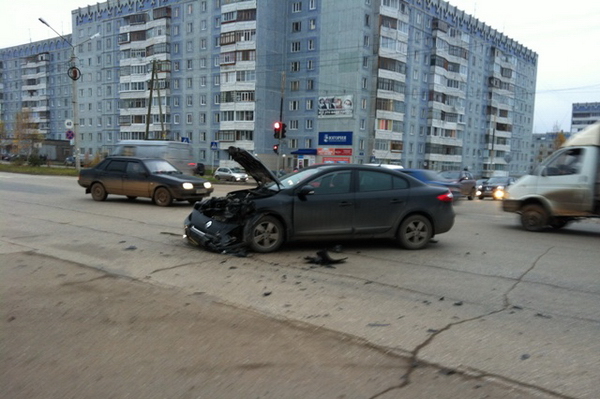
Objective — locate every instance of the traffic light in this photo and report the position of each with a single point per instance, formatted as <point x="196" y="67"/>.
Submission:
<point x="282" y="130"/>
<point x="276" y="148"/>
<point x="277" y="126"/>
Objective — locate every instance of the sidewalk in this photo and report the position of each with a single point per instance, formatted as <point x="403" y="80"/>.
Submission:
<point x="68" y="331"/>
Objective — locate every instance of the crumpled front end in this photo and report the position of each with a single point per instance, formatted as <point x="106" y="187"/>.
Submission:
<point x="217" y="224"/>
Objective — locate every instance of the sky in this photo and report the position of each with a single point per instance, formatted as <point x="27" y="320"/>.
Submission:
<point x="565" y="36"/>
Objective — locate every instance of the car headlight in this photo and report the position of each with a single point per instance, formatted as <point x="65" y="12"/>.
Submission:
<point x="207" y="184"/>
<point x="187" y="186"/>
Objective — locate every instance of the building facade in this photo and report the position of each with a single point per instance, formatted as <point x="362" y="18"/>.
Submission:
<point x="583" y="115"/>
<point x="415" y="82"/>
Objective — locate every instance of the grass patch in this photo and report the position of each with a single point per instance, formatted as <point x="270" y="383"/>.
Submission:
<point x="38" y="170"/>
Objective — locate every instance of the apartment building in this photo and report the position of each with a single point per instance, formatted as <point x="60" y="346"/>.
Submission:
<point x="583" y="115"/>
<point x="414" y="82"/>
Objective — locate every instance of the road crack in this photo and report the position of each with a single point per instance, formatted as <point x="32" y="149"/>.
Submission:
<point x="414" y="357"/>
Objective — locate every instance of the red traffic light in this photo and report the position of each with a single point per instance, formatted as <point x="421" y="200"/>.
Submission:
<point x="276" y="148"/>
<point x="277" y="125"/>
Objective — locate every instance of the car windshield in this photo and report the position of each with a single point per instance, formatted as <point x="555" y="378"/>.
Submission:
<point x="292" y="180"/>
<point x="159" y="166"/>
<point x="237" y="170"/>
<point x="497" y="180"/>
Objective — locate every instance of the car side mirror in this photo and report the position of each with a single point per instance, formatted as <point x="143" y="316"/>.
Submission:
<point x="306" y="190"/>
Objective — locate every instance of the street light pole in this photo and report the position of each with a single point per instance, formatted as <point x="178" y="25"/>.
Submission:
<point x="74" y="74"/>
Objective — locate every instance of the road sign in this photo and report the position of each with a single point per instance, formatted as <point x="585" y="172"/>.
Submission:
<point x="70" y="135"/>
<point x="185" y="139"/>
<point x="214" y="145"/>
<point x="69" y="124"/>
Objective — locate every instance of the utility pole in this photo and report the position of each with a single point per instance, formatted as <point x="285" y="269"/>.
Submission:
<point x="281" y="120"/>
<point x="74" y="74"/>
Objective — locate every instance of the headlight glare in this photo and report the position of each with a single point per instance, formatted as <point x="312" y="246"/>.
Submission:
<point x="207" y="184"/>
<point x="187" y="186"/>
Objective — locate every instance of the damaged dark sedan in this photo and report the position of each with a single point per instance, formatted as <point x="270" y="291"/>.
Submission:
<point x="322" y="202"/>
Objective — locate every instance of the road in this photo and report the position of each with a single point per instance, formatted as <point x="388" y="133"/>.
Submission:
<point x="488" y="301"/>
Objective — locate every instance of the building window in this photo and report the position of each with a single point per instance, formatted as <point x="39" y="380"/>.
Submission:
<point x="310" y="104"/>
<point x="294" y="124"/>
<point x="297" y="6"/>
<point x="312" y="4"/>
<point x="294" y="105"/>
<point x="189" y="119"/>
<point x="295" y="47"/>
<point x="295" y="85"/>
<point x="309" y="124"/>
<point x="311" y="44"/>
<point x="296" y="26"/>
<point x="310" y="65"/>
<point x="310" y="84"/>
<point x="295" y="66"/>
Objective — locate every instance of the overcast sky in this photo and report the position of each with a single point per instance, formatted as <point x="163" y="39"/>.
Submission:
<point x="565" y="36"/>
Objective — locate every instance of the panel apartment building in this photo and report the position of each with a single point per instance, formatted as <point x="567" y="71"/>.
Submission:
<point x="415" y="82"/>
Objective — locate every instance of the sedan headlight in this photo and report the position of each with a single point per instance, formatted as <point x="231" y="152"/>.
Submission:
<point x="207" y="184"/>
<point x="188" y="186"/>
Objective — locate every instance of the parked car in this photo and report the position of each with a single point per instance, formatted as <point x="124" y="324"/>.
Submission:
<point x="231" y="174"/>
<point x="494" y="187"/>
<point x="134" y="177"/>
<point x="326" y="201"/>
<point x="70" y="161"/>
<point x="433" y="177"/>
<point x="465" y="179"/>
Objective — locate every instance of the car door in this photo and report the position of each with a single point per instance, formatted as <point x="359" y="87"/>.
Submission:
<point x="136" y="182"/>
<point x="380" y="200"/>
<point x="329" y="209"/>
<point x="113" y="176"/>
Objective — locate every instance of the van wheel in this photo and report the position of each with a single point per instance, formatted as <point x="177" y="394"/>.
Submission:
<point x="415" y="232"/>
<point x="162" y="197"/>
<point x="98" y="192"/>
<point x="534" y="217"/>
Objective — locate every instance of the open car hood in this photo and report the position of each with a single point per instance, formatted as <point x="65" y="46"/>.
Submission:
<point x="253" y="166"/>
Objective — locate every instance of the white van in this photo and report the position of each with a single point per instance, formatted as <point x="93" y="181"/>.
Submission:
<point x="176" y="152"/>
<point x="565" y="187"/>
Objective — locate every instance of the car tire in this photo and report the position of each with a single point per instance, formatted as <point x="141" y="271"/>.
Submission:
<point x="266" y="235"/>
<point x="415" y="232"/>
<point x="98" y="192"/>
<point x="162" y="197"/>
<point x="534" y="217"/>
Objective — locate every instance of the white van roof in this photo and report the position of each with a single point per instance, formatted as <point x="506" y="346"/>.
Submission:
<point x="588" y="136"/>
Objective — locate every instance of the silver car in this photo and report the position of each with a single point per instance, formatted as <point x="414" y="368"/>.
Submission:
<point x="231" y="174"/>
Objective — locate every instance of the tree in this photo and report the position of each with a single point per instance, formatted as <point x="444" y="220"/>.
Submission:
<point x="26" y="138"/>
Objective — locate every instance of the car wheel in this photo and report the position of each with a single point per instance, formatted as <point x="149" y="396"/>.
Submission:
<point x="534" y="217"/>
<point x="162" y="197"/>
<point x="266" y="235"/>
<point x="481" y="197"/>
<point x="131" y="197"/>
<point x="98" y="192"/>
<point x="415" y="232"/>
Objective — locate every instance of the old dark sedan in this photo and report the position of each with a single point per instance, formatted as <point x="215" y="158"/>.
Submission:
<point x="331" y="201"/>
<point x="142" y="177"/>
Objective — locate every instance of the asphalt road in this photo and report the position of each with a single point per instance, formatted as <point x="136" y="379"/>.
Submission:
<point x="488" y="307"/>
